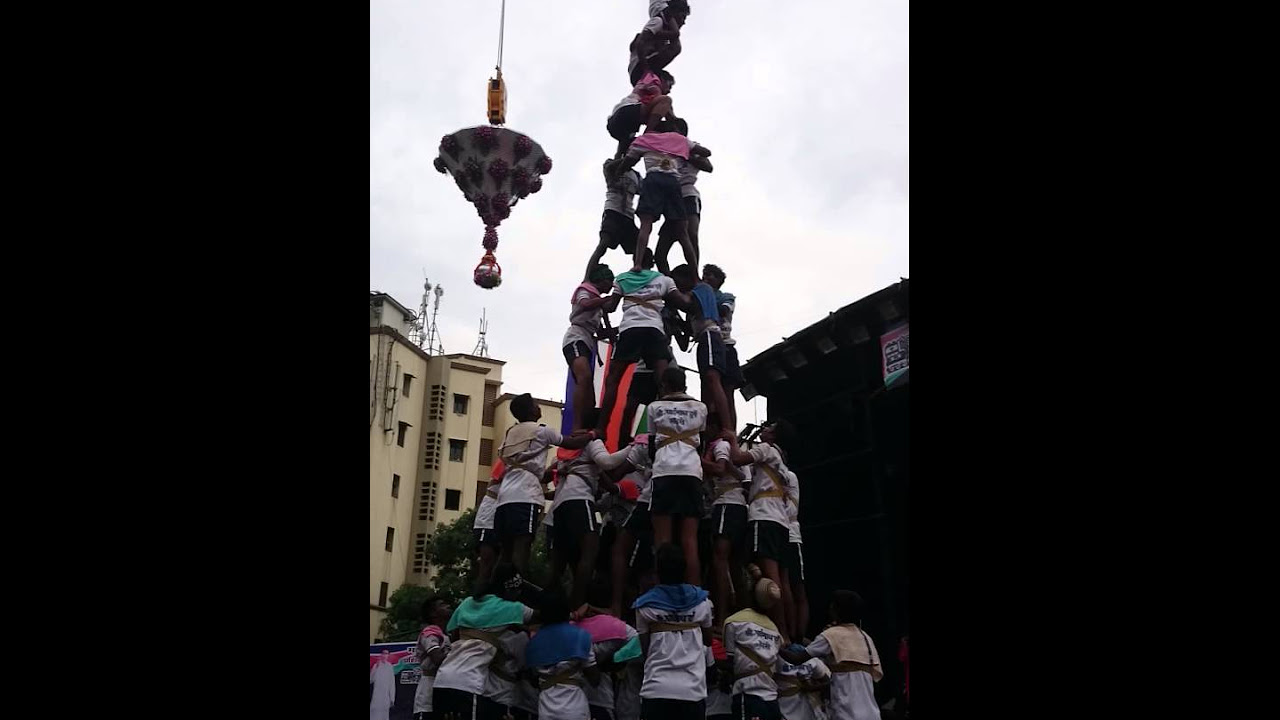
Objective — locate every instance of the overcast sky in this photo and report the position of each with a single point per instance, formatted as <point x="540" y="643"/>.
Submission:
<point x="804" y="105"/>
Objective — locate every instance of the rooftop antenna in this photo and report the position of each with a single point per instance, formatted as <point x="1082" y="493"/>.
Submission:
<point x="417" y="332"/>
<point x="482" y="346"/>
<point x="435" y="346"/>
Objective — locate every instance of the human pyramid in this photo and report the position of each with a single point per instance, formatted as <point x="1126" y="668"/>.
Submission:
<point x="637" y="636"/>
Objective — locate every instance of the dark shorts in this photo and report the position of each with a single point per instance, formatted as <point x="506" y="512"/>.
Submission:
<point x="575" y="350"/>
<point x="711" y="352"/>
<point x="515" y="519"/>
<point x="767" y="539"/>
<point x="756" y="707"/>
<point x="640" y="525"/>
<point x="794" y="562"/>
<point x="573" y="519"/>
<point x="621" y="230"/>
<point x="640" y="343"/>
<point x="677" y="495"/>
<point x="599" y="712"/>
<point x="644" y="388"/>
<point x="731" y="376"/>
<point x="692" y="209"/>
<point x="660" y="197"/>
<point x="464" y="704"/>
<point x="663" y="709"/>
<point x="730" y="521"/>
<point x="626" y="121"/>
<point x="485" y="536"/>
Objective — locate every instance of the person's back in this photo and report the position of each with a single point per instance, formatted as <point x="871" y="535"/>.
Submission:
<point x="559" y="654"/>
<point x="674" y="622"/>
<point x="852" y="657"/>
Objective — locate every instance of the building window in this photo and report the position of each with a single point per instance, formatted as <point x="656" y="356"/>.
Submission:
<point x="408" y="380"/>
<point x="486" y="451"/>
<point x="404" y="428"/>
<point x="452" y="499"/>
<point x="460" y="403"/>
<point x="395" y="486"/>
<point x="382" y="594"/>
<point x="457" y="449"/>
<point x="391" y="538"/>
<point x="490" y="395"/>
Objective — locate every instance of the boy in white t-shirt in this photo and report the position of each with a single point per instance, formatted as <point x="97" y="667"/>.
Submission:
<point x="487" y="546"/>
<point x="633" y="550"/>
<point x="487" y="625"/>
<point x="676" y="420"/>
<point x="728" y="519"/>
<point x="641" y="333"/>
<point x="520" y="497"/>
<point x="433" y="645"/>
<point x="793" y="567"/>
<point x="852" y="656"/>
<point x="692" y="203"/>
<point x="767" y="513"/>
<point x="589" y="303"/>
<point x="800" y="689"/>
<point x="754" y="642"/>
<point x="561" y="657"/>
<point x="618" y="221"/>
<point x="574" y="531"/>
<point x="674" y="622"/>
<point x="658" y="42"/>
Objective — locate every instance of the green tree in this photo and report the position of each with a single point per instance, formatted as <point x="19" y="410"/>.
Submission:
<point x="404" y="608"/>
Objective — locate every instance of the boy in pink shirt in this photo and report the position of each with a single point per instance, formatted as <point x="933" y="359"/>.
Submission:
<point x="664" y="153"/>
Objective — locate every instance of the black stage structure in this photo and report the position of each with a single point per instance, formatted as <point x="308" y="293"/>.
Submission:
<point x="852" y="457"/>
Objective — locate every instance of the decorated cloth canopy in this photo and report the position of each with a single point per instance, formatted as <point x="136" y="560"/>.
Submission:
<point x="494" y="168"/>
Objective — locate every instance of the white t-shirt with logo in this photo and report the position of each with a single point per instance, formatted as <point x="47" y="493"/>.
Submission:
<point x="673" y="415"/>
<point x="654" y="293"/>
<point x="728" y="488"/>
<point x="466" y="667"/>
<point x="580" y="477"/>
<point x="561" y="701"/>
<point x="768" y="464"/>
<point x="676" y="667"/>
<point x="766" y="644"/>
<point x="427" y="643"/>
<point x="522" y="482"/>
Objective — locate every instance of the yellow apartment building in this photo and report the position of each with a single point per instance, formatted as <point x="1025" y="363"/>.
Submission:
<point x="434" y="423"/>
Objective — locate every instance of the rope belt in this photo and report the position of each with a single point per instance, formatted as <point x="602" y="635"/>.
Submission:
<point x="567" y="677"/>
<point x="672" y="627"/>
<point x="686" y="437"/>
<point x="642" y="302"/>
<point x="778" y="486"/>
<point x="495" y="666"/>
<point x="851" y="666"/>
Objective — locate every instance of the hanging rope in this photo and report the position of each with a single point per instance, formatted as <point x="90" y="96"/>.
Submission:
<point x="502" y="22"/>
